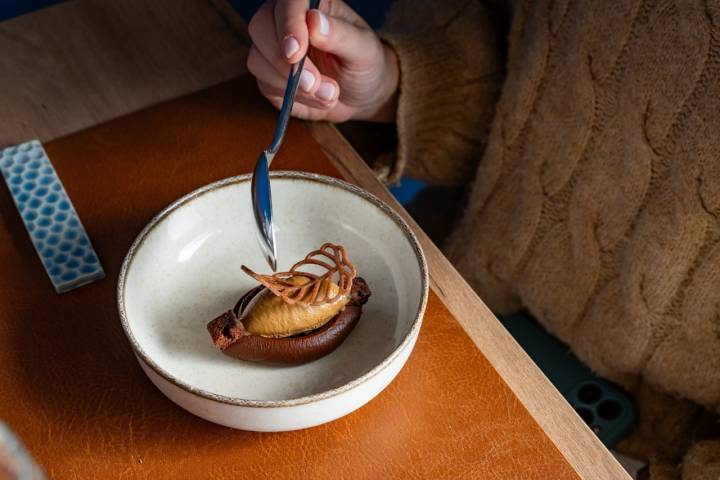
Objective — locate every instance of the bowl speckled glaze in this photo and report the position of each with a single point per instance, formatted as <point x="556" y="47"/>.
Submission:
<point x="184" y="269"/>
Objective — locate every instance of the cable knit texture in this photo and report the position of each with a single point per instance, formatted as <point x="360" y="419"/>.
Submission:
<point x="451" y="73"/>
<point x="596" y="202"/>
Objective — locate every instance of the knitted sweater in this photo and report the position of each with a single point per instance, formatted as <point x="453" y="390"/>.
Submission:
<point x="594" y="167"/>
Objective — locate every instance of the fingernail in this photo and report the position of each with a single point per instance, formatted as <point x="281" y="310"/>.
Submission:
<point x="326" y="91"/>
<point x="290" y="46"/>
<point x="324" y="24"/>
<point x="307" y="80"/>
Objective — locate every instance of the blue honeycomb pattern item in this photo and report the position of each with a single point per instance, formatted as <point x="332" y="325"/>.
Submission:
<point x="50" y="218"/>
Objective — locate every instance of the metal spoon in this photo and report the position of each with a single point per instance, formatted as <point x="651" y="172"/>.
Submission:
<point x="260" y="187"/>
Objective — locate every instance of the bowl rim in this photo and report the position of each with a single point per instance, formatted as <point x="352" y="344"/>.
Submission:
<point x="289" y="175"/>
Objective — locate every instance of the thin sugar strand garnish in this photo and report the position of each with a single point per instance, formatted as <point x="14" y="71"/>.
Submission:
<point x="312" y="293"/>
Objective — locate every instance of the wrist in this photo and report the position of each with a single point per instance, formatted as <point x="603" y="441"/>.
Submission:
<point x="384" y="108"/>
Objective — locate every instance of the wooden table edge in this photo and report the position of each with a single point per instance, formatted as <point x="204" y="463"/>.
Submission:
<point x="573" y="438"/>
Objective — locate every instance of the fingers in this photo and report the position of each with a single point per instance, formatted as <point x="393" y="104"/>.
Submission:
<point x="292" y="32"/>
<point x="262" y="33"/>
<point x="299" y="110"/>
<point x="292" y="28"/>
<point x="351" y="42"/>
<point x="280" y="35"/>
<point x="281" y="30"/>
<point x="323" y="94"/>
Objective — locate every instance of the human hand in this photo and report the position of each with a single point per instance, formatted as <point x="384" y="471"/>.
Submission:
<point x="349" y="72"/>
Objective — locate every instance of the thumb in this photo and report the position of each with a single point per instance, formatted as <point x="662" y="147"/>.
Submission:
<point x="351" y="43"/>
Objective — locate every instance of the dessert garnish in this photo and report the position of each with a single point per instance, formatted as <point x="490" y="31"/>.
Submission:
<point x="294" y="316"/>
<point x="314" y="291"/>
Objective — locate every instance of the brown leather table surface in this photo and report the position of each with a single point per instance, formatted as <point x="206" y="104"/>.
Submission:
<point x="73" y="392"/>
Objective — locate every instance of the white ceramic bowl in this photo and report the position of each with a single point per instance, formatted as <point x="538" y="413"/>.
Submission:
<point x="184" y="269"/>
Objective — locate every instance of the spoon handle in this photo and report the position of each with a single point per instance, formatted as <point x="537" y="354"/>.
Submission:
<point x="288" y="100"/>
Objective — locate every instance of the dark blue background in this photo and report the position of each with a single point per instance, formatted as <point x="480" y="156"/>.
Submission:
<point x="372" y="10"/>
<point x="13" y="8"/>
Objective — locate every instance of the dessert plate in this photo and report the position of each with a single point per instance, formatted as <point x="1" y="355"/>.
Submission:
<point x="184" y="269"/>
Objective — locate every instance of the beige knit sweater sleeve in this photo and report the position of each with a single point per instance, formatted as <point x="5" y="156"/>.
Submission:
<point x="597" y="202"/>
<point x="451" y="68"/>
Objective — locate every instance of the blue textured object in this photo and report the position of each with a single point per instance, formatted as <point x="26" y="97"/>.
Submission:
<point x="50" y="218"/>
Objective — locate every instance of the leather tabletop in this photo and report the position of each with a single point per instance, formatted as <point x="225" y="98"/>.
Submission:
<point x="73" y="392"/>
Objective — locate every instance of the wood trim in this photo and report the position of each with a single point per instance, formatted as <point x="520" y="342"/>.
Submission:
<point x="580" y="446"/>
<point x="78" y="64"/>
